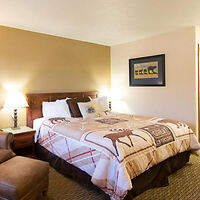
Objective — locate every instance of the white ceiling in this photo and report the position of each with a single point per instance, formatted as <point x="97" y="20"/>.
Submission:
<point x="107" y="22"/>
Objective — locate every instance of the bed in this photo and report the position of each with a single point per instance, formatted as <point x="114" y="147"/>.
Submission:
<point x="104" y="143"/>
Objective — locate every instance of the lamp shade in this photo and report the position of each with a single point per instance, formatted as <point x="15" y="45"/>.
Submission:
<point x="15" y="100"/>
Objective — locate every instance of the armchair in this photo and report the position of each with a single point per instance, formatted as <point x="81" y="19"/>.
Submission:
<point x="21" y="178"/>
<point x="5" y="140"/>
<point x="5" y="151"/>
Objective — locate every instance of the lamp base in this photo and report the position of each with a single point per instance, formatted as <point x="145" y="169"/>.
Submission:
<point x="15" y="128"/>
<point x="15" y="120"/>
<point x="110" y="105"/>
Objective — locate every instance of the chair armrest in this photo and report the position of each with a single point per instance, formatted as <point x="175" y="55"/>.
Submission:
<point x="6" y="139"/>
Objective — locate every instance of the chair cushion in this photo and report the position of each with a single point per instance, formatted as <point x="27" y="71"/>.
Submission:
<point x="19" y="175"/>
<point x="6" y="154"/>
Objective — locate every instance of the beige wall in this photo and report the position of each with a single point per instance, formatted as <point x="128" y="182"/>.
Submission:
<point x="178" y="99"/>
<point x="197" y="38"/>
<point x="36" y="62"/>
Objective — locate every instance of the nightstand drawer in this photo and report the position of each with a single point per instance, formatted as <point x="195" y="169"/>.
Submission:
<point x="23" y="140"/>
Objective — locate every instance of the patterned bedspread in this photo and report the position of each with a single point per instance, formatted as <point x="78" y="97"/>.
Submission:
<point x="117" y="148"/>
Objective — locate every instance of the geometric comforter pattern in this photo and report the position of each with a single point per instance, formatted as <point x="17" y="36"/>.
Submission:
<point x="116" y="148"/>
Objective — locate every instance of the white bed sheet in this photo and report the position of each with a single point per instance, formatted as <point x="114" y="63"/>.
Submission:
<point x="36" y="126"/>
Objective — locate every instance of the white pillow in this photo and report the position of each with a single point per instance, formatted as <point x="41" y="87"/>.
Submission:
<point x="87" y="110"/>
<point x="65" y="105"/>
<point x="103" y="101"/>
<point x="101" y="106"/>
<point x="58" y="108"/>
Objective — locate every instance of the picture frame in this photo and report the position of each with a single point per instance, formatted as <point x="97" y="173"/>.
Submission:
<point x="147" y="71"/>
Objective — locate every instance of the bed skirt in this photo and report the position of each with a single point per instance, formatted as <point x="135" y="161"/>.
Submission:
<point x="156" y="176"/>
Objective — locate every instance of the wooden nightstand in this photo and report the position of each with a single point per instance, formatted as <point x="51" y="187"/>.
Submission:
<point x="23" y="143"/>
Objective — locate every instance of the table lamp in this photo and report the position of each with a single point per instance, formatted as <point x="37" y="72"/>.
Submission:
<point x="15" y="100"/>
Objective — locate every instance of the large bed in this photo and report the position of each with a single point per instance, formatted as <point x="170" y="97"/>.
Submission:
<point x="121" y="155"/>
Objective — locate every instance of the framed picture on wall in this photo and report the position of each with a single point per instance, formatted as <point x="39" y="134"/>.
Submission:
<point x="147" y="71"/>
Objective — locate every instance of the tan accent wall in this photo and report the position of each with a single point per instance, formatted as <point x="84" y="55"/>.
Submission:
<point x="36" y="62"/>
<point x="178" y="99"/>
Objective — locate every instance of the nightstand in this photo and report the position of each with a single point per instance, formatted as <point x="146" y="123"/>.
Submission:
<point x="23" y="143"/>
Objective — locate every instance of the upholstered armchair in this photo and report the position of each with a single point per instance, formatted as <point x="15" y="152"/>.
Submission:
<point x="5" y="151"/>
<point x="21" y="178"/>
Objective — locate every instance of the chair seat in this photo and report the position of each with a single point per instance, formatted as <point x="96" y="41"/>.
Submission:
<point x="20" y="176"/>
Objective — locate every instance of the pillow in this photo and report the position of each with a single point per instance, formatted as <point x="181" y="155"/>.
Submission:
<point x="57" y="108"/>
<point x="87" y="110"/>
<point x="103" y="101"/>
<point x="73" y="106"/>
<point x="65" y="105"/>
<point x="101" y="106"/>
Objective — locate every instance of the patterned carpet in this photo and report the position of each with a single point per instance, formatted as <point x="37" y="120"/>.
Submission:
<point x="184" y="185"/>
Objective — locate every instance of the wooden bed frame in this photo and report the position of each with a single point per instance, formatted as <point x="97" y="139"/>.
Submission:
<point x="35" y="100"/>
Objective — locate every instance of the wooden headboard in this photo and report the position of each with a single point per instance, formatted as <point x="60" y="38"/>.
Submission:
<point x="35" y="100"/>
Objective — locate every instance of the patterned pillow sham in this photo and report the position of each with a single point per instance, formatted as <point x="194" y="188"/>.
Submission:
<point x="87" y="110"/>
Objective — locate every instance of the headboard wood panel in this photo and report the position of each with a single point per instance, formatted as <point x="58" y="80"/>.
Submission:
<point x="35" y="100"/>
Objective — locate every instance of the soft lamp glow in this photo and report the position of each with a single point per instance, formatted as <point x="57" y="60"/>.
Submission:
<point x="15" y="100"/>
<point x="116" y="94"/>
<point x="104" y="92"/>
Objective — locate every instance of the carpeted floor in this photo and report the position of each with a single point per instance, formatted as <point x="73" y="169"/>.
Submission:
<point x="184" y="185"/>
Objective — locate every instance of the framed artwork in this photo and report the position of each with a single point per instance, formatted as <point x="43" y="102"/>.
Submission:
<point x="147" y="71"/>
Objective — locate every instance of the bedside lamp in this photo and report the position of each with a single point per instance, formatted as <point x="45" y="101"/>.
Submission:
<point x="15" y="100"/>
